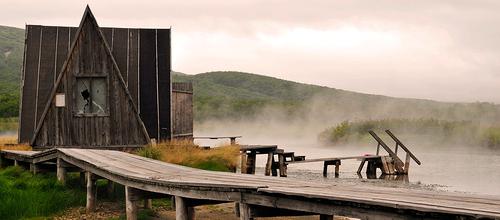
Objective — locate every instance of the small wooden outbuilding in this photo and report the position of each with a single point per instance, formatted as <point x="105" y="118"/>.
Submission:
<point x="100" y="87"/>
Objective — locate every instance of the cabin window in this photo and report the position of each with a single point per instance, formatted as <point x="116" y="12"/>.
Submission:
<point x="91" y="96"/>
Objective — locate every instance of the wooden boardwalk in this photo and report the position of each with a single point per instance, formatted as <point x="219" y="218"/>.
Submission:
<point x="256" y="195"/>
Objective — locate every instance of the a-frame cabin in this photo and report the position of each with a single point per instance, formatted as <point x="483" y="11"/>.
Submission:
<point x="89" y="104"/>
<point x="98" y="87"/>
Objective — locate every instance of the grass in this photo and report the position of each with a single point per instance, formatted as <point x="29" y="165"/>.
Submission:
<point x="222" y="158"/>
<point x="24" y="195"/>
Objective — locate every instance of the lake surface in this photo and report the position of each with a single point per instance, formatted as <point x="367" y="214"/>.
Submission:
<point x="457" y="169"/>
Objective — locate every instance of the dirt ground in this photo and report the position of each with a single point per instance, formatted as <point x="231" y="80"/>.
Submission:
<point x="115" y="210"/>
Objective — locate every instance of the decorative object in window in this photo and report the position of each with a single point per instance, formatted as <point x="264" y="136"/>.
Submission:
<point x="91" y="97"/>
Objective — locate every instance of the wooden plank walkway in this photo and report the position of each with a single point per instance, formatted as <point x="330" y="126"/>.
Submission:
<point x="146" y="178"/>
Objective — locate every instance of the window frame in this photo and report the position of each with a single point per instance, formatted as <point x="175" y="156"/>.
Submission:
<point x="76" y="94"/>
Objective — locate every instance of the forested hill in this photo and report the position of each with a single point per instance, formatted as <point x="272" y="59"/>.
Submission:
<point x="244" y="95"/>
<point x="11" y="52"/>
<point x="228" y="94"/>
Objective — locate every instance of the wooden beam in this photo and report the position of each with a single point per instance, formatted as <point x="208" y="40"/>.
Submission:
<point x="131" y="198"/>
<point x="397" y="161"/>
<point x="91" y="192"/>
<point x="325" y="169"/>
<point x="251" y="159"/>
<point x="148" y="203"/>
<point x="110" y="189"/>
<point x="83" y="179"/>
<point x="407" y="162"/>
<point x="182" y="210"/>
<point x="243" y="162"/>
<point x="3" y="161"/>
<point x="360" y="168"/>
<point x="403" y="146"/>
<point x="325" y="217"/>
<point x="269" y="163"/>
<point x="337" y="168"/>
<point x="33" y="168"/>
<point x="333" y="158"/>
<point x="245" y="212"/>
<point x="282" y="165"/>
<point x="264" y="211"/>
<point x="61" y="171"/>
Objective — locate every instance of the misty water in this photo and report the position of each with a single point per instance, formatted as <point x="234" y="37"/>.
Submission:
<point x="468" y="169"/>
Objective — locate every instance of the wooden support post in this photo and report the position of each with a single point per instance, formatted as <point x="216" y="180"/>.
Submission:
<point x="385" y="166"/>
<point x="237" y="209"/>
<point x="83" y="180"/>
<point x="274" y="166"/>
<point x="130" y="203"/>
<point x="148" y="203"/>
<point x="110" y="189"/>
<point x="407" y="163"/>
<point x="325" y="217"/>
<point x="243" y="166"/>
<point x="33" y="168"/>
<point x="245" y="213"/>
<point x="337" y="168"/>
<point x="61" y="171"/>
<point x="390" y="165"/>
<point x="325" y="168"/>
<point x="182" y="210"/>
<point x="282" y="165"/>
<point x="269" y="163"/>
<point x="3" y="162"/>
<point x="16" y="163"/>
<point x="371" y="169"/>
<point x="361" y="165"/>
<point x="91" y="192"/>
<point x="251" y="157"/>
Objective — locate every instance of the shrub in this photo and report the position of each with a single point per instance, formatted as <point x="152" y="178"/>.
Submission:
<point x="436" y="131"/>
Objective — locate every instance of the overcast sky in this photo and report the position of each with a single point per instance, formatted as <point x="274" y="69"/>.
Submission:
<point x="442" y="50"/>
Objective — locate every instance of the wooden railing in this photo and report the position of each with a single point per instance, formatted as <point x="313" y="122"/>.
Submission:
<point x="402" y="168"/>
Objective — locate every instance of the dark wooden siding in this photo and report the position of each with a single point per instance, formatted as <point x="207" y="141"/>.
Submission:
<point x="133" y="64"/>
<point x="62" y="127"/>
<point x="29" y="83"/>
<point x="182" y="110"/>
<point x="164" y="80"/>
<point x="148" y="82"/>
<point x="46" y="67"/>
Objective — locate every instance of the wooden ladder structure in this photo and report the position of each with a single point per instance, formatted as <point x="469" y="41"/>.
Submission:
<point x="390" y="164"/>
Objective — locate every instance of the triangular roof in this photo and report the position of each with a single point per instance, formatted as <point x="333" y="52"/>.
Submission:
<point x="88" y="17"/>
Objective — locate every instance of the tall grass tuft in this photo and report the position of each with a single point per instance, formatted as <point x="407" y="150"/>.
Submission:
<point x="186" y="153"/>
<point x="23" y="195"/>
<point x="9" y="142"/>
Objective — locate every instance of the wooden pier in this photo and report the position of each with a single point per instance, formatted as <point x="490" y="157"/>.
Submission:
<point x="257" y="196"/>
<point x="389" y="164"/>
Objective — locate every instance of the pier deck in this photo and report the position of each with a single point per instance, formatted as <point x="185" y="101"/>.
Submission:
<point x="146" y="178"/>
